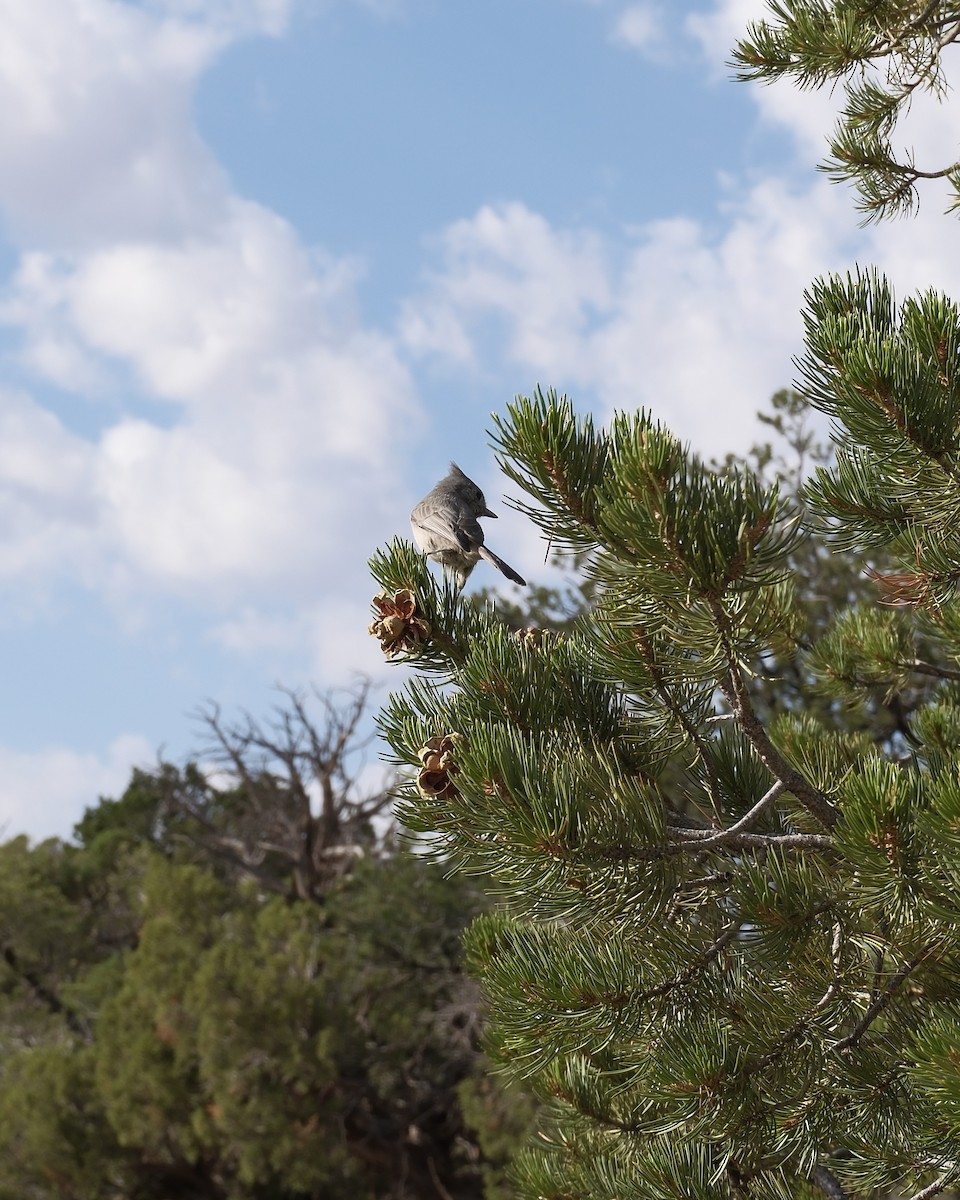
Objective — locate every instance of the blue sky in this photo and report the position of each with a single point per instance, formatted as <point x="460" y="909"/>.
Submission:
<point x="268" y="265"/>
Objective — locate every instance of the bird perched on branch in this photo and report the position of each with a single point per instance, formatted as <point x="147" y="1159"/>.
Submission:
<point x="446" y="529"/>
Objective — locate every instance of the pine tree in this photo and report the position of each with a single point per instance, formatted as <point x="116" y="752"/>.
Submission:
<point x="883" y="54"/>
<point x="722" y="818"/>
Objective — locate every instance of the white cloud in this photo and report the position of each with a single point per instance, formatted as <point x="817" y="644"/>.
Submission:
<point x="198" y="313"/>
<point x="232" y="17"/>
<point x="700" y="328"/>
<point x="326" y="639"/>
<point x="510" y="262"/>
<point x="44" y="792"/>
<point x="280" y="404"/>
<point x="47" y="493"/>
<point x="807" y="116"/>
<point x="259" y="458"/>
<point x="722" y="23"/>
<point x="250" y="632"/>
<point x="641" y="27"/>
<point x="102" y="145"/>
<point x="285" y="417"/>
<point x="698" y="320"/>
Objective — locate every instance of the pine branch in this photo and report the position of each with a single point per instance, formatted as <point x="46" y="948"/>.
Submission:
<point x="935" y="1188"/>
<point x="704" y="959"/>
<point x="796" y="1031"/>
<point x="879" y="1004"/>
<point x="927" y="12"/>
<point x="643" y="644"/>
<point x="891" y="45"/>
<point x="766" y="841"/>
<point x="725" y="836"/>
<point x="654" y="960"/>
<point x="45" y="994"/>
<point x="738" y="697"/>
<point x="833" y="44"/>
<point x="938" y="672"/>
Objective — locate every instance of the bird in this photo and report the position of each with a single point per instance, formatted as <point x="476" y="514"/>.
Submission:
<point x="446" y="529"/>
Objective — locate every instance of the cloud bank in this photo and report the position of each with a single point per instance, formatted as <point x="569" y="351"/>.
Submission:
<point x="198" y="410"/>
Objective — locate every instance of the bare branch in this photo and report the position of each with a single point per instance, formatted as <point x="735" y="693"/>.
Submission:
<point x="935" y="1188"/>
<point x="938" y="672"/>
<point x="690" y="839"/>
<point x="725" y="835"/>
<point x="288" y="811"/>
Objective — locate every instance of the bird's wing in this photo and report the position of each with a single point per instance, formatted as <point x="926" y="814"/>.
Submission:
<point x="469" y="534"/>
<point x="439" y="527"/>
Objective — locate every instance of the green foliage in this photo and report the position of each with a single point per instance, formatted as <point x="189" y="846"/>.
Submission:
<point x="55" y="1136"/>
<point x="218" y="1044"/>
<point x="172" y="1028"/>
<point x="243" y="988"/>
<point x="889" y="380"/>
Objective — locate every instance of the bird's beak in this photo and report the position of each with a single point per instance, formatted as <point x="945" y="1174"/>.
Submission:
<point x="487" y="513"/>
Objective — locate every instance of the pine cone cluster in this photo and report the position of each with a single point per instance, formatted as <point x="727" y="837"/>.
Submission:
<point x="438" y="765"/>
<point x="398" y="627"/>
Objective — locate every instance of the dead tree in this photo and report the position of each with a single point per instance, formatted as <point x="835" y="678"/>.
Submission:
<point x="283" y="799"/>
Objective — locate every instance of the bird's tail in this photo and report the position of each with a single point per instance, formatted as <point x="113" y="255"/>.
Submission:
<point x="502" y="567"/>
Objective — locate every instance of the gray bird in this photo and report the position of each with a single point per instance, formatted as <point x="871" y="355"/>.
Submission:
<point x="446" y="529"/>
